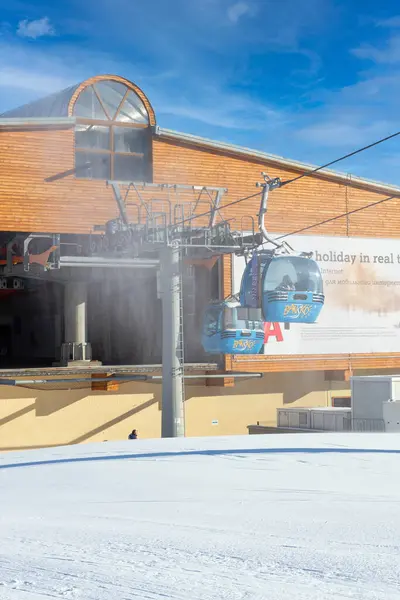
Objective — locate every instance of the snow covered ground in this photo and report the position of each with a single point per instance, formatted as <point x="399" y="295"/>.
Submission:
<point x="299" y="517"/>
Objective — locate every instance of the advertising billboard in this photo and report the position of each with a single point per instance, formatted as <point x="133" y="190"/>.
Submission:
<point x="362" y="299"/>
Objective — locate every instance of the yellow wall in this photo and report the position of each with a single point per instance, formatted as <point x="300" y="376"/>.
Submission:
<point x="35" y="418"/>
<point x="255" y="400"/>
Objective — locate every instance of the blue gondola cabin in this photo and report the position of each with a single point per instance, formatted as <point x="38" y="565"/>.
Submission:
<point x="287" y="288"/>
<point x="229" y="328"/>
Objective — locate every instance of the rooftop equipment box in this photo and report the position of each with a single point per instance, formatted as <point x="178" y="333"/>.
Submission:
<point x="391" y="416"/>
<point x="321" y="419"/>
<point x="368" y="394"/>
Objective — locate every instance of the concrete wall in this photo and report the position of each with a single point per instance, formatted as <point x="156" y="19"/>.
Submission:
<point x="35" y="418"/>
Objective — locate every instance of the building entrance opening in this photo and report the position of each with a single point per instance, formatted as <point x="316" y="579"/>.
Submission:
<point x="30" y="324"/>
<point x="116" y="312"/>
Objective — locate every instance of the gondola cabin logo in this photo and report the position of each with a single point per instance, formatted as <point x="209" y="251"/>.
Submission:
<point x="297" y="310"/>
<point x="244" y="344"/>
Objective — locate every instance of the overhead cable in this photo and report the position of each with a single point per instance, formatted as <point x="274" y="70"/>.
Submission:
<point x="307" y="174"/>
<point x="333" y="162"/>
<point x="350" y="212"/>
<point x="217" y="209"/>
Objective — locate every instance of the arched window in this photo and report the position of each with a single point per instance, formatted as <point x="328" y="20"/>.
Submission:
<point x="112" y="136"/>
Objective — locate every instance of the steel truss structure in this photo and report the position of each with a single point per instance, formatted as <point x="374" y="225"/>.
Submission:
<point x="157" y="225"/>
<point x="177" y="222"/>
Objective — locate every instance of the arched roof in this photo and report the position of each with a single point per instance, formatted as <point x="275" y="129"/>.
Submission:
<point x="61" y="104"/>
<point x="55" y="105"/>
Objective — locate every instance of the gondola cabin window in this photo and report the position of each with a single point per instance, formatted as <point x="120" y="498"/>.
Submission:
<point x="211" y="321"/>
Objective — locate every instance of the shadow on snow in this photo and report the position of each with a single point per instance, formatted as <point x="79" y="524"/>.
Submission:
<point x="228" y="452"/>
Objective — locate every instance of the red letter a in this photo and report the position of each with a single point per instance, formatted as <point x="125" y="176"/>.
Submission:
<point x="272" y="330"/>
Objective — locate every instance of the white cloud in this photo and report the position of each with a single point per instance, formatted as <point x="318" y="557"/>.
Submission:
<point x="390" y="54"/>
<point x="35" y="29"/>
<point x="226" y="111"/>
<point x="335" y="122"/>
<point x="345" y="119"/>
<point x="30" y="73"/>
<point x="391" y="22"/>
<point x="31" y="80"/>
<point x="238" y="10"/>
<point x="339" y="134"/>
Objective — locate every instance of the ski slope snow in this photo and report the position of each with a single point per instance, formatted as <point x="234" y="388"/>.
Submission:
<point x="299" y="517"/>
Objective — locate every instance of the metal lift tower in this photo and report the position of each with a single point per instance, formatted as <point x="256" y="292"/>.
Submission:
<point x="176" y="222"/>
<point x="166" y="224"/>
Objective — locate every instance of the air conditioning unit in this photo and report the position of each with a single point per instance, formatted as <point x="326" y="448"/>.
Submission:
<point x="369" y="395"/>
<point x="315" y="419"/>
<point x="294" y="418"/>
<point x="331" y="419"/>
<point x="391" y="416"/>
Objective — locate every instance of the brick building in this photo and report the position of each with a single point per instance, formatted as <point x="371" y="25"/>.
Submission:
<point x="56" y="156"/>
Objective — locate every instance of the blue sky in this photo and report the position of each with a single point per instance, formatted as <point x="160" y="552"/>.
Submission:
<point x="305" y="79"/>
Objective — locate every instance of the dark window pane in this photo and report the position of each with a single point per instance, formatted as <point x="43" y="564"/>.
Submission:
<point x="90" y="165"/>
<point x="111" y="94"/>
<point x="341" y="402"/>
<point x="129" y="168"/>
<point x="88" y="106"/>
<point x="127" y="139"/>
<point x="92" y="136"/>
<point x="133" y="109"/>
<point x="211" y="322"/>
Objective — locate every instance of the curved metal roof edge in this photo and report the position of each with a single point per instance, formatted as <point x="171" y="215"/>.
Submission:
<point x="58" y="104"/>
<point x="295" y="164"/>
<point x="20" y="121"/>
<point x="51" y="105"/>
